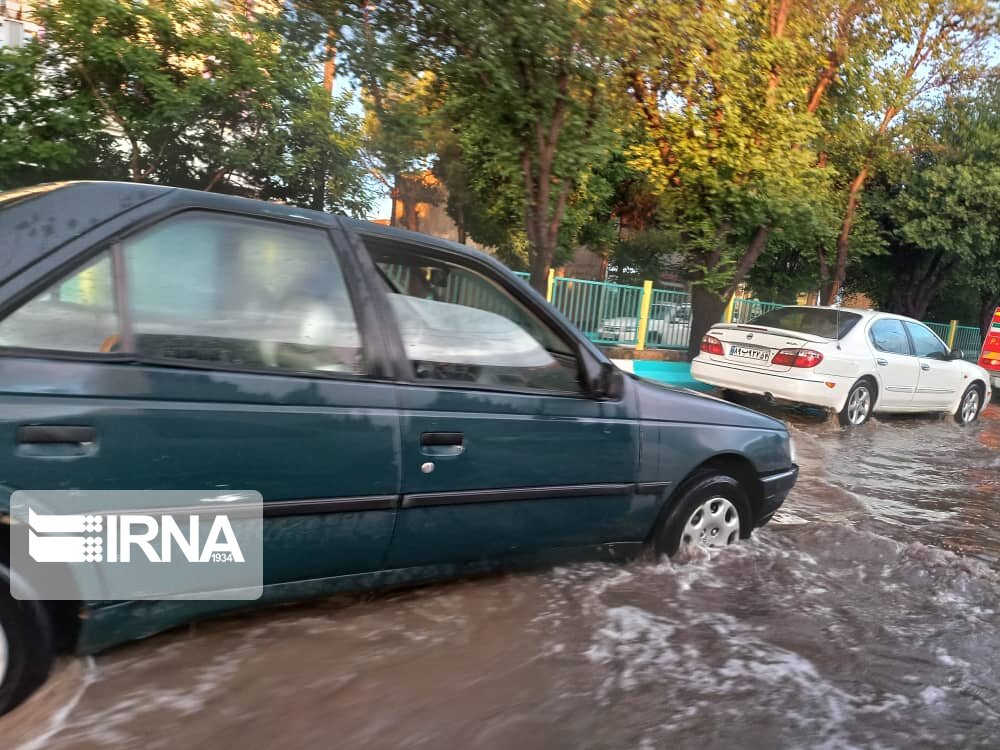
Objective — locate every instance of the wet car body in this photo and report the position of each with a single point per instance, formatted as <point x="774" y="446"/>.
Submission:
<point x="534" y="476"/>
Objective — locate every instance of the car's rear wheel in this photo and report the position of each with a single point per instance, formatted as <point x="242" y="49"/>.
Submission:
<point x="26" y="647"/>
<point x="713" y="511"/>
<point x="970" y="405"/>
<point x="860" y="402"/>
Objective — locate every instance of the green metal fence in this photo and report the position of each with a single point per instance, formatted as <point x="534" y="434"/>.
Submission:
<point x="970" y="341"/>
<point x="607" y="313"/>
<point x="669" y="324"/>
<point x="941" y="329"/>
<point x="745" y="310"/>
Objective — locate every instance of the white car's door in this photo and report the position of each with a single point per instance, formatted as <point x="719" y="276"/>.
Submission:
<point x="898" y="370"/>
<point x="940" y="379"/>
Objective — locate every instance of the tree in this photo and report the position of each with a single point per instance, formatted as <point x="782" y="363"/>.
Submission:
<point x="524" y="86"/>
<point x="929" y="45"/>
<point x="726" y="95"/>
<point x="193" y="95"/>
<point x="935" y="203"/>
<point x="43" y="137"/>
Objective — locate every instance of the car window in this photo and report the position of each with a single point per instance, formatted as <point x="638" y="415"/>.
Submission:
<point x="239" y="291"/>
<point x="459" y="326"/>
<point x="829" y="323"/>
<point x="205" y="288"/>
<point x="925" y="343"/>
<point x="77" y="314"/>
<point x="890" y="337"/>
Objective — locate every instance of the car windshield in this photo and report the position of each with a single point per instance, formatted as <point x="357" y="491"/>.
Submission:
<point x="826" y="322"/>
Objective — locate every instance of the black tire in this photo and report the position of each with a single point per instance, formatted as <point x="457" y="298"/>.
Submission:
<point x="845" y="416"/>
<point x="961" y="413"/>
<point x="700" y="488"/>
<point x="30" y="649"/>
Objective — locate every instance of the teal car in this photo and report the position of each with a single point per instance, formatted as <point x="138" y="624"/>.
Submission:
<point x="408" y="409"/>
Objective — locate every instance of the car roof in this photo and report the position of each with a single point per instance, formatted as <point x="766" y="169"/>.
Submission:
<point x="35" y="221"/>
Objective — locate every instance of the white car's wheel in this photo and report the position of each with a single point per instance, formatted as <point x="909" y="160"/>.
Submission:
<point x="860" y="402"/>
<point x="970" y="405"/>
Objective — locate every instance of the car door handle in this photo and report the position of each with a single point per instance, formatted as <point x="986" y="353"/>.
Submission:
<point x="55" y="434"/>
<point x="442" y="444"/>
<point x="882" y="362"/>
<point x="56" y="441"/>
<point x="924" y="367"/>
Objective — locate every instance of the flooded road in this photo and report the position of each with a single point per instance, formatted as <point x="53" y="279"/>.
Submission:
<point x="866" y="615"/>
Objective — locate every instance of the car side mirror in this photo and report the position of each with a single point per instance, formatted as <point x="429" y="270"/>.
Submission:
<point x="611" y="382"/>
<point x="955" y="354"/>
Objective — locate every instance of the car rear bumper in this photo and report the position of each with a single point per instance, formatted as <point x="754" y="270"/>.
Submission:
<point x="783" y="387"/>
<point x="776" y="489"/>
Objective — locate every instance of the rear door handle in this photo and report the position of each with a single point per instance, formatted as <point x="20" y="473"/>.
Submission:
<point x="924" y="367"/>
<point x="55" y="434"/>
<point x="882" y="362"/>
<point x="442" y="443"/>
<point x="56" y="441"/>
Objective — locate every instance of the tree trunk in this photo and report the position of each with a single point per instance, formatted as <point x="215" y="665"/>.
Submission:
<point x="707" y="308"/>
<point x="394" y="197"/>
<point x="330" y="64"/>
<point x="541" y="262"/>
<point x="844" y="240"/>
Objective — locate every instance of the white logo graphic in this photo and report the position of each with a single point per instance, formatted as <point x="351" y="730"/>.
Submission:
<point x="77" y="548"/>
<point x="78" y="538"/>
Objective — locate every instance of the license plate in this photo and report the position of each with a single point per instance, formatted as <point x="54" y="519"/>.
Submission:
<point x="750" y="352"/>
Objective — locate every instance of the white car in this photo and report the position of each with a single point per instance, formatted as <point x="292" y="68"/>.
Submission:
<point x="853" y="362"/>
<point x="668" y="324"/>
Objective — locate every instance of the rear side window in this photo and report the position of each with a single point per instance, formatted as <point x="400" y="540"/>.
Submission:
<point x="813" y="321"/>
<point x="78" y="314"/>
<point x="205" y="288"/>
<point x="925" y="343"/>
<point x="889" y="336"/>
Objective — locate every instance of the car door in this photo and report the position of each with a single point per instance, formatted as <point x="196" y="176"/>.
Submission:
<point x="940" y="380"/>
<point x="897" y="368"/>
<point x="212" y="351"/>
<point x="504" y="455"/>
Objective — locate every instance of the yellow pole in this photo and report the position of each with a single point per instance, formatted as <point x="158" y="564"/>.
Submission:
<point x="551" y="283"/>
<point x="647" y="300"/>
<point x="730" y="309"/>
<point x="952" y="331"/>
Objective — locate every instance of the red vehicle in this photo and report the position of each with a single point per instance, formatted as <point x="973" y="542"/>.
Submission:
<point x="989" y="359"/>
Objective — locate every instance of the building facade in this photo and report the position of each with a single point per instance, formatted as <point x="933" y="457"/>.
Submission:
<point x="16" y="25"/>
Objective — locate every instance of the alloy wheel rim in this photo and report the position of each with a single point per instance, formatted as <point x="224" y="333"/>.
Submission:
<point x="857" y="408"/>
<point x="4" y="654"/>
<point x="971" y="406"/>
<point x="714" y="523"/>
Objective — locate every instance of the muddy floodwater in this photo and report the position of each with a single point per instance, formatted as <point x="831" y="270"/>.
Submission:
<point x="866" y="615"/>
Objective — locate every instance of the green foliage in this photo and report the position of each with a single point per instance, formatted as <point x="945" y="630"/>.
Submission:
<point x="521" y="105"/>
<point x="188" y="94"/>
<point x="729" y="145"/>
<point x="45" y="137"/>
<point x="935" y="204"/>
